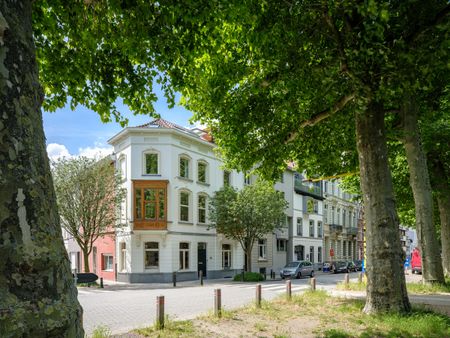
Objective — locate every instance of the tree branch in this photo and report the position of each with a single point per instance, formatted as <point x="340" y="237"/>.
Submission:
<point x="321" y="116"/>
<point x="440" y="16"/>
<point x="337" y="36"/>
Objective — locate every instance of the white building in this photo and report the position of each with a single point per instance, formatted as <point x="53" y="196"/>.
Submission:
<point x="169" y="172"/>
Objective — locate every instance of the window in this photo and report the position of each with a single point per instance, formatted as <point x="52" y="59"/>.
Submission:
<point x="299" y="226"/>
<point x="344" y="248"/>
<point x="201" y="208"/>
<point x="325" y="213"/>
<point x="316" y="206"/>
<point x="344" y="219"/>
<point x="311" y="228"/>
<point x="151" y="255"/>
<point x="184" y="206"/>
<point x="184" y="256"/>
<point x="226" y="177"/>
<point x="246" y="178"/>
<point x="107" y="262"/>
<point x="332" y="215"/>
<point x="319" y="254"/>
<point x="326" y="186"/>
<point x="310" y="206"/>
<point x="202" y="172"/>
<point x="150" y="204"/>
<point x="338" y="218"/>
<point x="226" y="256"/>
<point x="123" y="256"/>
<point x="281" y="245"/>
<point x="311" y="254"/>
<point x="262" y="246"/>
<point x="184" y="167"/>
<point x="123" y="167"/>
<point x="349" y="218"/>
<point x="319" y="229"/>
<point x="151" y="163"/>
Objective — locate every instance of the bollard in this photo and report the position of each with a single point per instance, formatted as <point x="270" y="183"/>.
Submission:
<point x="258" y="295"/>
<point x="288" y="289"/>
<point x="360" y="277"/>
<point x="271" y="274"/>
<point x="313" y="283"/>
<point x="174" y="278"/>
<point x="101" y="283"/>
<point x="243" y="273"/>
<point x="160" y="312"/>
<point x="217" y="303"/>
<point x="201" y="277"/>
<point x="346" y="279"/>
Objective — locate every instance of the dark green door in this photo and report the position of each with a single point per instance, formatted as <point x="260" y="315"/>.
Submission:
<point x="201" y="258"/>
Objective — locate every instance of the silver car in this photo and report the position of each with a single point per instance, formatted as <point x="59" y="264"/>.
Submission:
<point x="297" y="269"/>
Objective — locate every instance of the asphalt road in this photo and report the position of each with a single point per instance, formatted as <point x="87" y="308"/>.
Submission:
<point x="122" y="308"/>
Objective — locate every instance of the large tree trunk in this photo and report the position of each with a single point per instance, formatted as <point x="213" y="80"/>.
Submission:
<point x="419" y="180"/>
<point x="37" y="294"/>
<point x="86" y="261"/>
<point x="442" y="187"/>
<point x="386" y="287"/>
<point x="248" y="257"/>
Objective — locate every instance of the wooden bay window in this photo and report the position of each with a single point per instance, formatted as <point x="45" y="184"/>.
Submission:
<point x="150" y="204"/>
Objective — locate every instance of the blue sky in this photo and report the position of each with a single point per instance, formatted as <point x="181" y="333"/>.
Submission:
<point x="81" y="132"/>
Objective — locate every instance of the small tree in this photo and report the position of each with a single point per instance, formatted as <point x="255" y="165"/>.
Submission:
<point x="248" y="214"/>
<point x="87" y="192"/>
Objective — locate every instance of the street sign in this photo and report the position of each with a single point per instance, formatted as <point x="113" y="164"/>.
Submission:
<point x="331" y="252"/>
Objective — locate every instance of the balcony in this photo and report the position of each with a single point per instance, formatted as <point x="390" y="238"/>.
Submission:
<point x="335" y="228"/>
<point x="312" y="191"/>
<point x="352" y="231"/>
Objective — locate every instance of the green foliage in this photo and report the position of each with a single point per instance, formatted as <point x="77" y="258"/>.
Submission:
<point x="88" y="196"/>
<point x="101" y="332"/>
<point x="248" y="214"/>
<point x="249" y="277"/>
<point x="172" y="329"/>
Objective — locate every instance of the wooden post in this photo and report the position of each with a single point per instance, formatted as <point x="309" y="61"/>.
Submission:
<point x="313" y="284"/>
<point x="258" y="295"/>
<point x="217" y="303"/>
<point x="288" y="289"/>
<point x="160" y="312"/>
<point x="101" y="282"/>
<point x="201" y="277"/>
<point x="346" y="279"/>
<point x="360" y="275"/>
<point x="174" y="278"/>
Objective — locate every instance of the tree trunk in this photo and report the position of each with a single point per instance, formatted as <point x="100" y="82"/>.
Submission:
<point x="386" y="287"/>
<point x="37" y="294"/>
<point x="442" y="187"/>
<point x="248" y="256"/>
<point x="86" y="261"/>
<point x="419" y="180"/>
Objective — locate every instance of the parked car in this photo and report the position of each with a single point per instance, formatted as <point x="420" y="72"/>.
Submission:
<point x="341" y="266"/>
<point x="297" y="269"/>
<point x="358" y="264"/>
<point x="416" y="261"/>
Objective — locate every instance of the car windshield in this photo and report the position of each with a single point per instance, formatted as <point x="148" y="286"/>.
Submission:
<point x="292" y="265"/>
<point x="341" y="263"/>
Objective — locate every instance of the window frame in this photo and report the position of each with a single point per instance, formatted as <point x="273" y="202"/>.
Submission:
<point x="199" y="209"/>
<point x="281" y="248"/>
<point x="262" y="249"/>
<point x="150" y="224"/>
<point x="151" y="267"/>
<point x="107" y="262"/>
<point x="311" y="254"/>
<point x="206" y="166"/>
<point x="300" y="233"/>
<point x="319" y="229"/>
<point x="189" y="166"/>
<point x="226" y="252"/>
<point x="188" y="206"/>
<point x="183" y="256"/>
<point x="313" y="224"/>
<point x="144" y="162"/>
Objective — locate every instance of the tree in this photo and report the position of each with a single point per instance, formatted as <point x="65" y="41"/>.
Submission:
<point x="88" y="194"/>
<point x="248" y="215"/>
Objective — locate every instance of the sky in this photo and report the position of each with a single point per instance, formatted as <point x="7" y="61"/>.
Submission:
<point x="81" y="132"/>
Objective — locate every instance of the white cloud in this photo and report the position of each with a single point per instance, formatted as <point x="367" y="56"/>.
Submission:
<point x="56" y="151"/>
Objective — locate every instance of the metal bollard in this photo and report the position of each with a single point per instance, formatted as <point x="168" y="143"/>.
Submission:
<point x="288" y="289"/>
<point x="217" y="303"/>
<point x="160" y="312"/>
<point x="101" y="283"/>
<point x="258" y="295"/>
<point x="346" y="279"/>
<point x="174" y="278"/>
<point x="360" y="275"/>
<point x="201" y="277"/>
<point x="243" y="274"/>
<point x="313" y="284"/>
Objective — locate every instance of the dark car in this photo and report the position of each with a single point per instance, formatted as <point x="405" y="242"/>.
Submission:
<point x="358" y="265"/>
<point x="343" y="267"/>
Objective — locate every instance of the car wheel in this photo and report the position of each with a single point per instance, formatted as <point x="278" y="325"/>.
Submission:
<point x="312" y="273"/>
<point x="299" y="275"/>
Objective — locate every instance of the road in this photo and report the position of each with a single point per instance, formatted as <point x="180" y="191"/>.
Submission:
<point x="125" y="307"/>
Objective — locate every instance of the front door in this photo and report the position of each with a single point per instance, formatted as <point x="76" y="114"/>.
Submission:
<point x="201" y="258"/>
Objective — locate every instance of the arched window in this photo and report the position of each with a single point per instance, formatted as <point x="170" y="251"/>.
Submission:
<point x="150" y="162"/>
<point x="185" y="166"/>
<point x="202" y="171"/>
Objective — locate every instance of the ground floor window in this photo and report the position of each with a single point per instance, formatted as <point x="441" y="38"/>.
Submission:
<point x="226" y="256"/>
<point x="151" y="255"/>
<point x="184" y="256"/>
<point x="107" y="262"/>
<point x="311" y="254"/>
<point x="281" y="245"/>
<point x="262" y="248"/>
<point x="123" y="256"/>
<point x="319" y="254"/>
